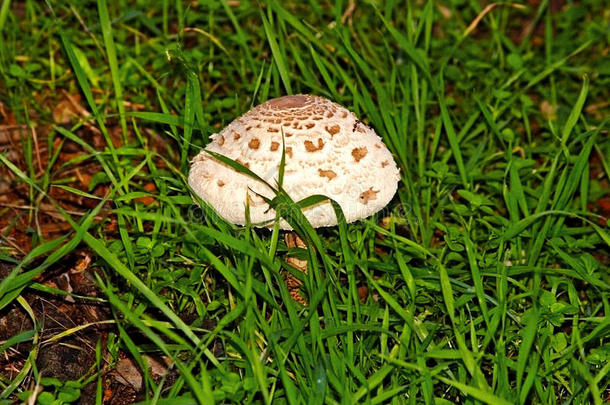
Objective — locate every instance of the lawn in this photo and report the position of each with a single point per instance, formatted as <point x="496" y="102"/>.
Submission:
<point x="484" y="281"/>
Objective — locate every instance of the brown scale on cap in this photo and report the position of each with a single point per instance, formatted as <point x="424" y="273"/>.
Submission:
<point x="221" y="140"/>
<point x="274" y="146"/>
<point x="289" y="151"/>
<point x="333" y="130"/>
<point x="329" y="174"/>
<point x="310" y="147"/>
<point x="359" y="153"/>
<point x="254" y="143"/>
<point x="368" y="195"/>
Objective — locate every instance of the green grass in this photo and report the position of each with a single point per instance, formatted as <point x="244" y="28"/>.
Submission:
<point x="487" y="274"/>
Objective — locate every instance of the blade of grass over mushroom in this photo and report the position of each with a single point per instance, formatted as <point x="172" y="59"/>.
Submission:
<point x="282" y="167"/>
<point x="238" y="166"/>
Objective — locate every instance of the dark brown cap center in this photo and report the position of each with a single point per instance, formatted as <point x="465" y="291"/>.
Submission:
<point x="286" y="102"/>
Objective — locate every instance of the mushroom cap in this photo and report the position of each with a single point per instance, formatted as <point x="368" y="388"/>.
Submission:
<point x="328" y="151"/>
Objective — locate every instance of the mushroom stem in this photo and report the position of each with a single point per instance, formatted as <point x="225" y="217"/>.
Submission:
<point x="294" y="284"/>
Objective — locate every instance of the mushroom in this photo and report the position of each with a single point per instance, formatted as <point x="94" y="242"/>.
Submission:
<point x="328" y="151"/>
